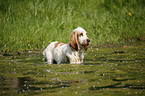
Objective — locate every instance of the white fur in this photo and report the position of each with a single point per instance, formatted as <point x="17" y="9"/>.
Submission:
<point x="59" y="52"/>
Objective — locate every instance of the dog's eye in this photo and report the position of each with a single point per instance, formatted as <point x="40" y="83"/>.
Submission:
<point x="81" y="34"/>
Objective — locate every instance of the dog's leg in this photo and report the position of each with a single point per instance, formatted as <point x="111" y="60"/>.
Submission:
<point x="81" y="56"/>
<point x="58" y="55"/>
<point x="49" y="57"/>
<point x="73" y="58"/>
<point x="77" y="58"/>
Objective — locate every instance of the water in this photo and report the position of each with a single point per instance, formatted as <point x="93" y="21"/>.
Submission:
<point x="104" y="72"/>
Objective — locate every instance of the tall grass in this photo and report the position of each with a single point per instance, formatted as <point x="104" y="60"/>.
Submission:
<point x="33" y="24"/>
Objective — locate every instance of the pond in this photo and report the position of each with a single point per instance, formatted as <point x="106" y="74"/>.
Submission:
<point x="116" y="70"/>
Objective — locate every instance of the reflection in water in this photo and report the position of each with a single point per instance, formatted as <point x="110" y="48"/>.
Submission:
<point x="8" y="84"/>
<point x="118" y="73"/>
<point x="25" y="84"/>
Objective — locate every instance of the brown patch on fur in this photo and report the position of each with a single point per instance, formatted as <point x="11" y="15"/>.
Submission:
<point x="61" y="44"/>
<point x="57" y="44"/>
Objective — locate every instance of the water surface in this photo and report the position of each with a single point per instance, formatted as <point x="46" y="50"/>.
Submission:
<point x="104" y="72"/>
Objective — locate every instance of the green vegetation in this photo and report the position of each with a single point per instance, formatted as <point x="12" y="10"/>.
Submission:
<point x="33" y="24"/>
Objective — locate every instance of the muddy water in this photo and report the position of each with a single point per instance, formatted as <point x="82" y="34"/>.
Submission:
<point x="104" y="72"/>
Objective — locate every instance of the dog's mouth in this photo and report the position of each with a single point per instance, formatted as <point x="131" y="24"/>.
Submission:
<point x="85" y="44"/>
<point x="88" y="43"/>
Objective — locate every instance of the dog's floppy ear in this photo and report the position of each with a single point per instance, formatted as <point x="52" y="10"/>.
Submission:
<point x="74" y="41"/>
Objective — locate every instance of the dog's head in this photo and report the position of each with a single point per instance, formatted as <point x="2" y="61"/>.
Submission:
<point x="79" y="39"/>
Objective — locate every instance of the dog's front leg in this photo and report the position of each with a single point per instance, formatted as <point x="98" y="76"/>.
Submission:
<point x="81" y="56"/>
<point x="73" y="58"/>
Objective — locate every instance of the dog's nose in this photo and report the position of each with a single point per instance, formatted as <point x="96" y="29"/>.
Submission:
<point x="88" y="40"/>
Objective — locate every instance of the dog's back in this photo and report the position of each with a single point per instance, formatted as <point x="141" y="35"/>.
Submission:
<point x="55" y="52"/>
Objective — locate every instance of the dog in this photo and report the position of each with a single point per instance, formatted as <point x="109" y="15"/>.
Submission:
<point x="72" y="52"/>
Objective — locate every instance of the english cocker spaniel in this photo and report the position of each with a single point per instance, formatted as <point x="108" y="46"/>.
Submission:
<point x="72" y="52"/>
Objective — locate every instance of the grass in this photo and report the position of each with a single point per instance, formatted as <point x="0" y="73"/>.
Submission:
<point x="33" y="24"/>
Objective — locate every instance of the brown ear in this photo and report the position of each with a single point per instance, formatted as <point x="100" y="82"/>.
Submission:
<point x="74" y="41"/>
